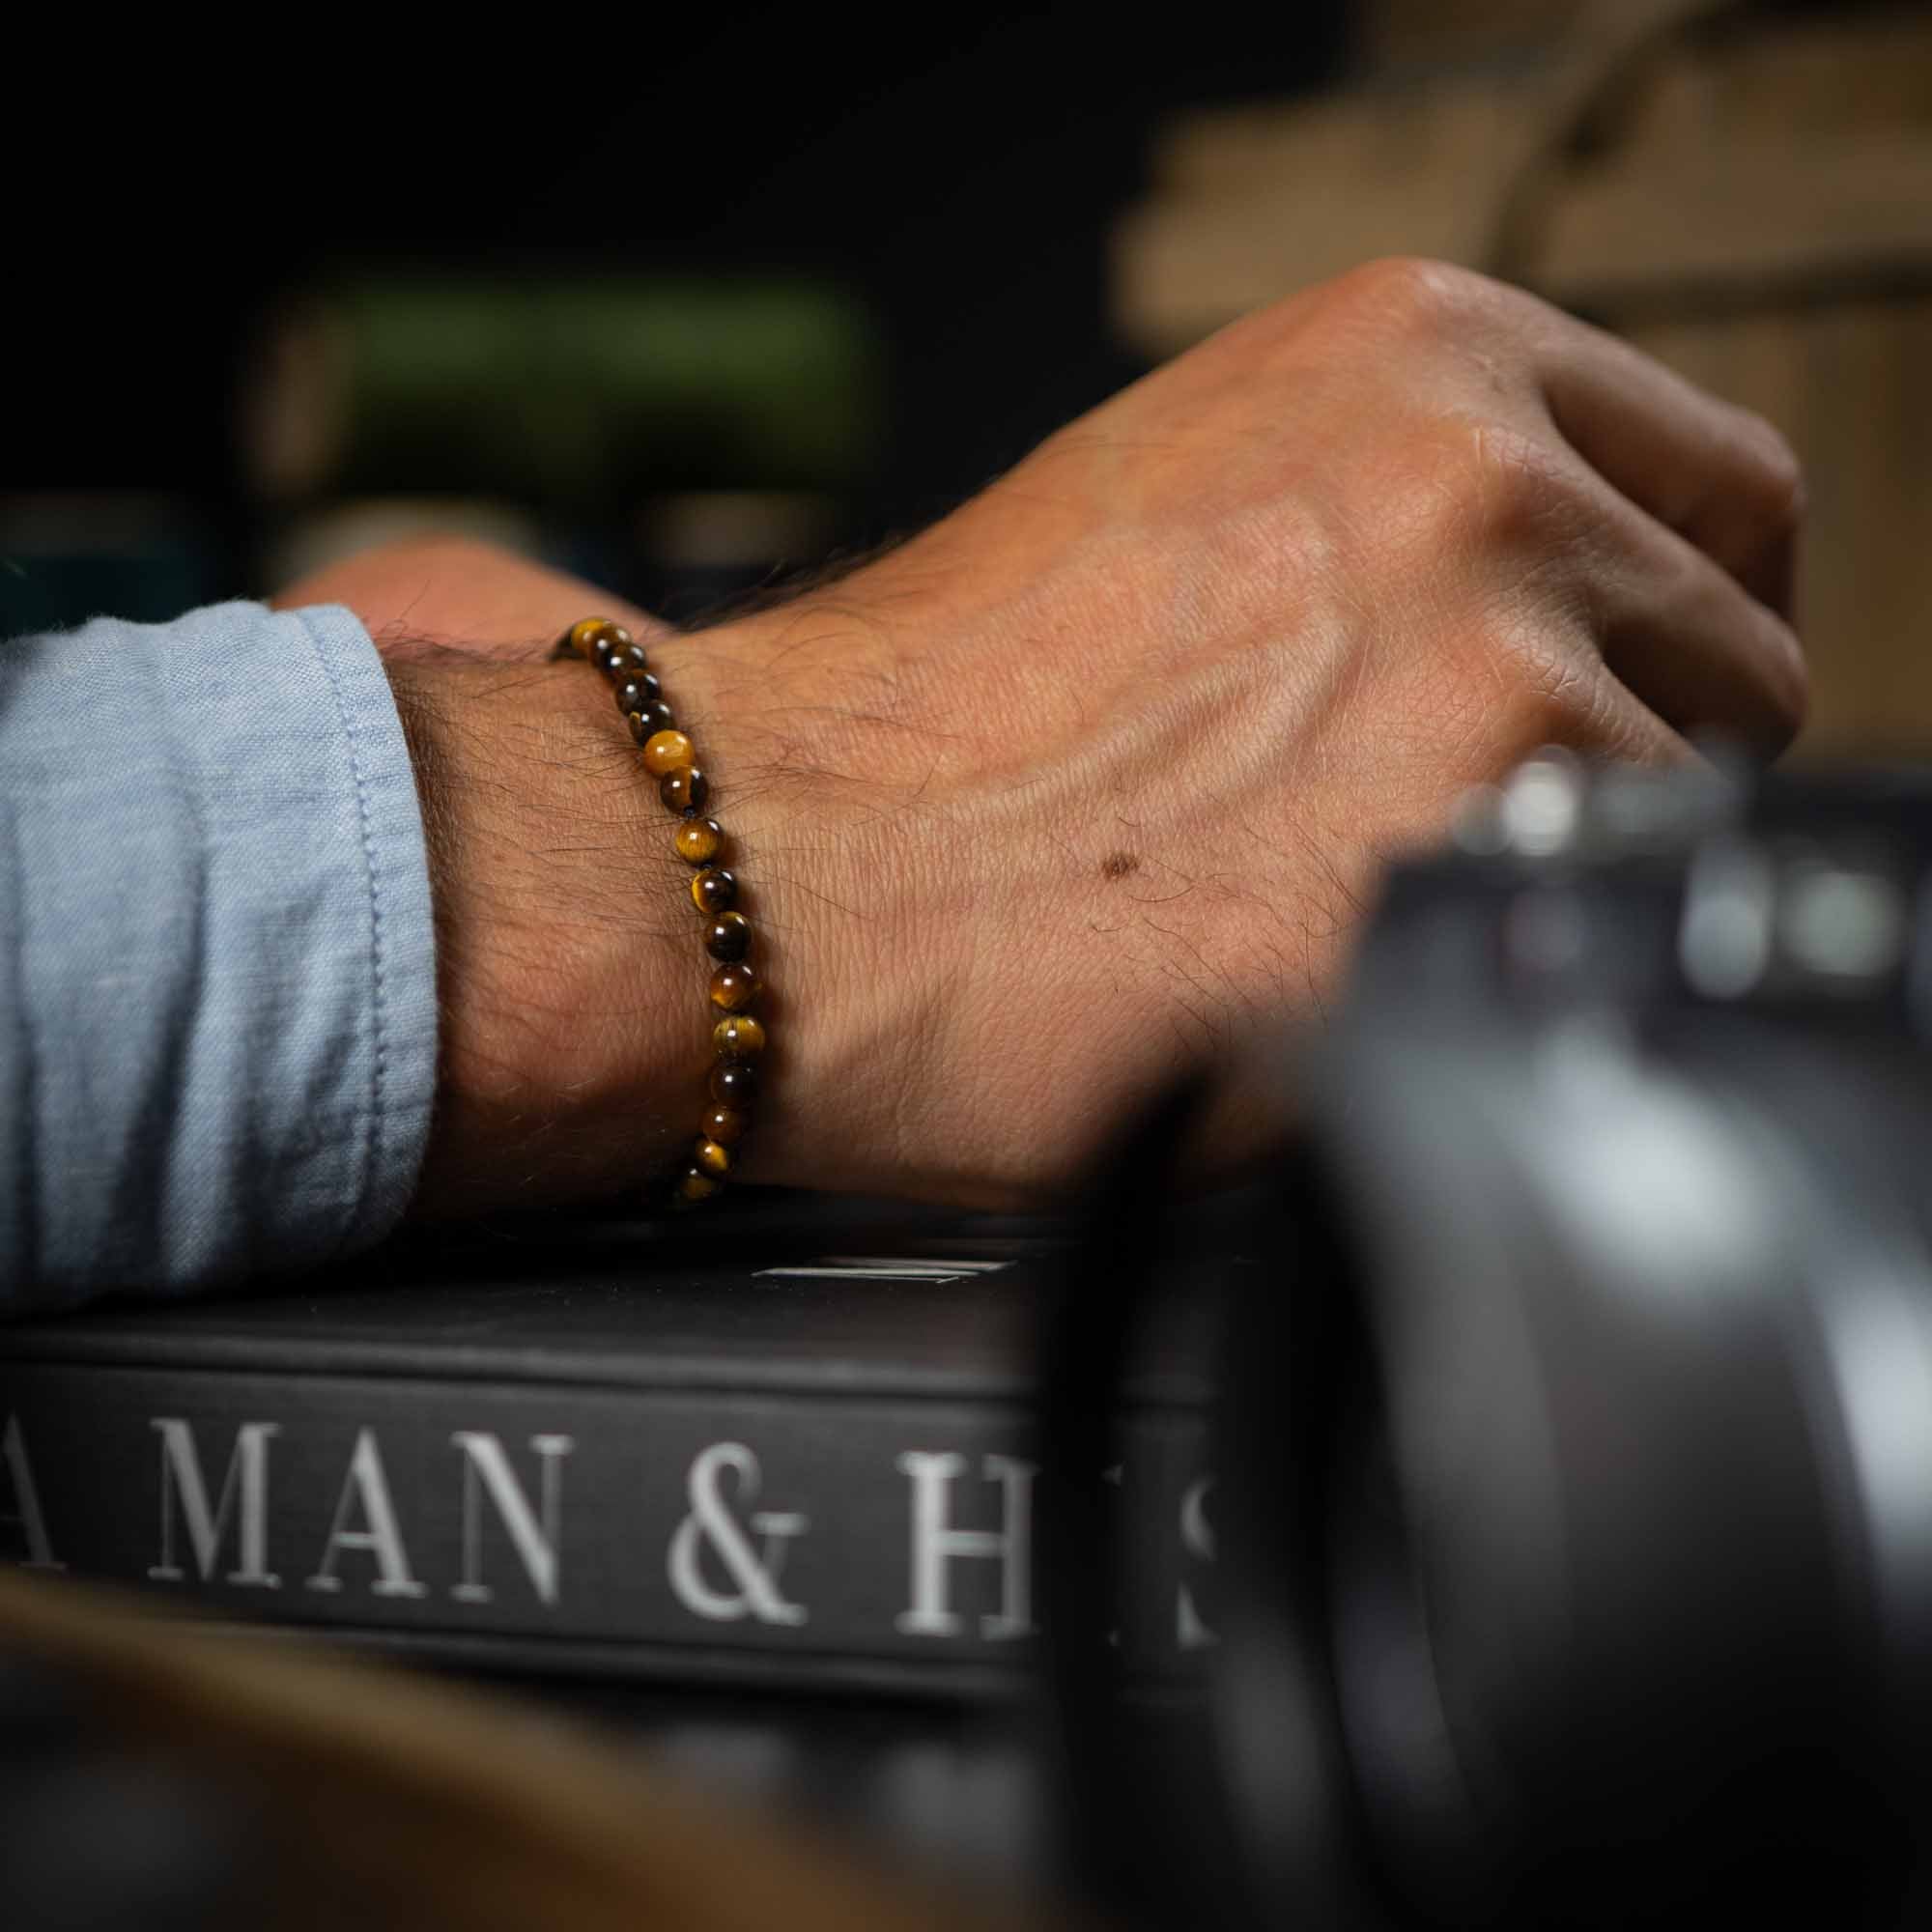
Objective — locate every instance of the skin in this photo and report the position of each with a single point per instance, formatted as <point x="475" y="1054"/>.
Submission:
<point x="1097" y="773"/>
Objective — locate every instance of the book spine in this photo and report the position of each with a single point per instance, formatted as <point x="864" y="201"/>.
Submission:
<point x="592" y="1529"/>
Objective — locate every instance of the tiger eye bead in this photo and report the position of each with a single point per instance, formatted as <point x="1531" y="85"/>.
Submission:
<point x="671" y="758"/>
<point x="738" y="1035"/>
<point x="734" y="988"/>
<point x="637" y="690"/>
<point x="734" y="1084"/>
<point x="654" y="717"/>
<point x="700" y="841"/>
<point x="695" y="1184"/>
<point x="666" y="750"/>
<point x="607" y="644"/>
<point x="583" y="634"/>
<point x="684" y="789"/>
<point x="729" y="937"/>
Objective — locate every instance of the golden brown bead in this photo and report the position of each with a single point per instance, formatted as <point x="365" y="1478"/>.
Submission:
<point x="684" y="789"/>
<point x="695" y="1184"/>
<point x="729" y="937"/>
<point x="666" y="750"/>
<point x="671" y="758"/>
<point x="734" y="1083"/>
<point x="738" y="1035"/>
<point x="734" y="988"/>
<point x="700" y="841"/>
<point x="584" y="634"/>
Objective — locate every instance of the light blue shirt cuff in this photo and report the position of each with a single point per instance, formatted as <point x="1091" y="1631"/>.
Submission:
<point x="217" y="975"/>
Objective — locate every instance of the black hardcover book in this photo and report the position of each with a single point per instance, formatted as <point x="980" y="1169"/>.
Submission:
<point x="794" y="1451"/>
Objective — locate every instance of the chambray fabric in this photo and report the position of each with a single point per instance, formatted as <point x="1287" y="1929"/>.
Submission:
<point x="217" y="989"/>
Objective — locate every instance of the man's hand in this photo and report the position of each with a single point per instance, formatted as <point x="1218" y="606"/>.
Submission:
<point x="1097" y="773"/>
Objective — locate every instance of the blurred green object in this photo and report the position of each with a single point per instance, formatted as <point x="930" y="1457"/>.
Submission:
<point x="565" y="393"/>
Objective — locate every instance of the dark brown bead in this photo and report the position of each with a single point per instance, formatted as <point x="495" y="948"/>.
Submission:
<point x="734" y="1083"/>
<point x="630" y="662"/>
<point x="738" y="1036"/>
<point x="729" y="937"/>
<point x="684" y="789"/>
<point x="655" y="716"/>
<point x="608" y="642"/>
<point x="724" y="1125"/>
<point x="694" y="1186"/>
<point x="700" y="841"/>
<point x="714" y="889"/>
<point x="734" y="988"/>
<point x="713" y="1157"/>
<point x="637" y="690"/>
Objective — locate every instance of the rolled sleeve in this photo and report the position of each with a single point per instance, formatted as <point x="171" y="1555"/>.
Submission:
<point x="220" y="1051"/>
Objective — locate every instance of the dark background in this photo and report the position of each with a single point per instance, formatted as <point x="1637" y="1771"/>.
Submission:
<point x="957" y="173"/>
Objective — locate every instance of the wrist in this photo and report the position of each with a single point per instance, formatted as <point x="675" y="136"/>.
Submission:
<point x="572" y="1034"/>
<point x="575" y="1024"/>
<point x="840" y="847"/>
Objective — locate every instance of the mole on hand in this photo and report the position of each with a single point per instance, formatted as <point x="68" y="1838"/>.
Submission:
<point x="1118" y="864"/>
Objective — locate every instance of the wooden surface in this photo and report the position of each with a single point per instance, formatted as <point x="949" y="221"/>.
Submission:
<point x="1851" y="385"/>
<point x="1751" y="205"/>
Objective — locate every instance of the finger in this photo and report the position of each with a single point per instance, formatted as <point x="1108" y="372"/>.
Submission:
<point x="1689" y="641"/>
<point x="1603" y="718"/>
<point x="1720" y="477"/>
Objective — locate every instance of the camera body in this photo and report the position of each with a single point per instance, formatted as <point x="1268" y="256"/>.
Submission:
<point x="1628" y="1131"/>
<point x="1576" y="1448"/>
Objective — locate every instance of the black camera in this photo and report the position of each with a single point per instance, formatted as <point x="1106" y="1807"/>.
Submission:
<point x="1575" y="1440"/>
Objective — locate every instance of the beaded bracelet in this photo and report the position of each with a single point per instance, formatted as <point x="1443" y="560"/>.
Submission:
<point x="671" y="758"/>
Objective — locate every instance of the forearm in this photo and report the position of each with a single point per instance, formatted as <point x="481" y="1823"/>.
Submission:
<point x="297" y="937"/>
<point x="1093" y="778"/>
<point x="573" y="1042"/>
<point x="573" y="1039"/>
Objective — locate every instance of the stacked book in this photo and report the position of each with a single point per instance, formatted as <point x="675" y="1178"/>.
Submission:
<point x="806" y="1451"/>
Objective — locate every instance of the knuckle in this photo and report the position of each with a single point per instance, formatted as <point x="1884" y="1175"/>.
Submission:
<point x="1557" y="697"/>
<point x="1507" y="680"/>
<point x="1540" y="679"/>
<point x="1474" y="486"/>
<point x="1526" y="490"/>
<point x="1417" y="292"/>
